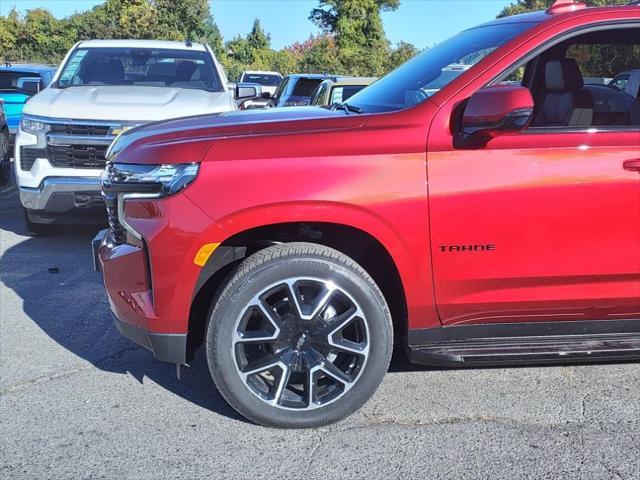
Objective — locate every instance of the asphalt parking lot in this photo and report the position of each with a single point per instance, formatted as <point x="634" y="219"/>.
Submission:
<point x="79" y="401"/>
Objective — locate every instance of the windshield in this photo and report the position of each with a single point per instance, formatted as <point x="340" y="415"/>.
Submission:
<point x="266" y="80"/>
<point x="427" y="73"/>
<point x="140" y="67"/>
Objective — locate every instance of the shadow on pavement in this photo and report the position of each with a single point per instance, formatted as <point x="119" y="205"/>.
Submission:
<point x="71" y="307"/>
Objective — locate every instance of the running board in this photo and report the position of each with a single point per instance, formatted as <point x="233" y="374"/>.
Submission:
<point x="496" y="348"/>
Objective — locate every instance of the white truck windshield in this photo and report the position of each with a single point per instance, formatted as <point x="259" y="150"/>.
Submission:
<point x="140" y="67"/>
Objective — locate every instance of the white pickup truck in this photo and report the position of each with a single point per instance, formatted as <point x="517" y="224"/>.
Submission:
<point x="102" y="88"/>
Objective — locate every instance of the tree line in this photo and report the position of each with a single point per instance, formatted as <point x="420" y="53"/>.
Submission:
<point x="352" y="39"/>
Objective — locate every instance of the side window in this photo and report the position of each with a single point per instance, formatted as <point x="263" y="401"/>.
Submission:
<point x="337" y="95"/>
<point x="600" y="63"/>
<point x="584" y="81"/>
<point x="515" y="78"/>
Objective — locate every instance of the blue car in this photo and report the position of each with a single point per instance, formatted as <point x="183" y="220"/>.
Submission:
<point x="13" y="88"/>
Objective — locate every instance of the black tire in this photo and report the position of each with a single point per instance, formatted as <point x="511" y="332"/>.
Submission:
<point x="38" y="229"/>
<point x="5" y="157"/>
<point x="303" y="262"/>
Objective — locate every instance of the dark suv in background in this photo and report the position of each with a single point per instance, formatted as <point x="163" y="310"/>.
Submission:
<point x="296" y="90"/>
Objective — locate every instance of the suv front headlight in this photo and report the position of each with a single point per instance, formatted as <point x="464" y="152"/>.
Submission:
<point x="163" y="180"/>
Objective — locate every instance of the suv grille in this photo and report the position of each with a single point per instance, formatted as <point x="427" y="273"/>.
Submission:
<point x="77" y="156"/>
<point x="75" y="129"/>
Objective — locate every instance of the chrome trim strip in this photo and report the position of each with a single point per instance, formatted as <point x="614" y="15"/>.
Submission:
<point x="67" y="140"/>
<point x="37" y="198"/>
<point x="122" y="198"/>
<point x="72" y="121"/>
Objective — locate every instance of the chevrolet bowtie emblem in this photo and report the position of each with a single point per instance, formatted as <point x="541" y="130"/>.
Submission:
<point x="119" y="130"/>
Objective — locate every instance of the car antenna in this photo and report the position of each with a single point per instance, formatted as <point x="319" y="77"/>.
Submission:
<point x="188" y="42"/>
<point x="7" y="64"/>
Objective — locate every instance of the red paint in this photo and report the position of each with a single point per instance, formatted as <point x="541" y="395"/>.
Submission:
<point x="559" y="211"/>
<point x="492" y="104"/>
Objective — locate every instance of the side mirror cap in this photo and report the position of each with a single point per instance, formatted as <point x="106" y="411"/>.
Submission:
<point x="246" y="91"/>
<point x="496" y="110"/>
<point x="29" y="85"/>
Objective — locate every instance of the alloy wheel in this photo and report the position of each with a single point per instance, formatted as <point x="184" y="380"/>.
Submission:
<point x="301" y="343"/>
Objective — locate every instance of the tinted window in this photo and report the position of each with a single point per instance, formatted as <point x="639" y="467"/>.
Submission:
<point x="140" y="67"/>
<point x="267" y="80"/>
<point x="304" y="87"/>
<point x="344" y="93"/>
<point x="425" y="74"/>
<point x="9" y="80"/>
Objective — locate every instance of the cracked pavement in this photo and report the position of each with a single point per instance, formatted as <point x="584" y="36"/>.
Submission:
<point x="78" y="401"/>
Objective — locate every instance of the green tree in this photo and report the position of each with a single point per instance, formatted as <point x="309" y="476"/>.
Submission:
<point x="40" y="36"/>
<point x="257" y="38"/>
<point x="132" y="19"/>
<point x="356" y="25"/>
<point x="523" y="6"/>
<point x="9" y="31"/>
<point x="403" y="52"/>
<point x="318" y="55"/>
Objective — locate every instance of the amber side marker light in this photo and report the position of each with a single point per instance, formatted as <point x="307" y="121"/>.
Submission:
<point x="204" y="253"/>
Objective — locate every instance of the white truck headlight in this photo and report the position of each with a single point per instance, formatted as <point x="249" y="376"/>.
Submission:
<point x="30" y="125"/>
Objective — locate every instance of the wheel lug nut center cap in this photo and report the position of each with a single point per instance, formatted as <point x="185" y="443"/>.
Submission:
<point x="301" y="342"/>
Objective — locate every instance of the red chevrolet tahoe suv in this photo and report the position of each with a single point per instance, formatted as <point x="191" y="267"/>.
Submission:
<point x="480" y="215"/>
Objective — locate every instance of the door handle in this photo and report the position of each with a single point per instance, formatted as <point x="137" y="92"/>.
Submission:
<point x="632" y="165"/>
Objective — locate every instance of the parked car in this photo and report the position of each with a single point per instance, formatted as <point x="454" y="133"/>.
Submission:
<point x="479" y="224"/>
<point x="268" y="80"/>
<point x="628" y="82"/>
<point x="18" y="83"/>
<point x="5" y="150"/>
<point x="295" y="90"/>
<point x="103" y="88"/>
<point x="338" y="90"/>
<point x="268" y="83"/>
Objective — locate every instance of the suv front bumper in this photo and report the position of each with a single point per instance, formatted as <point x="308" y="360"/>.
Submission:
<point x="58" y="196"/>
<point x="118" y="264"/>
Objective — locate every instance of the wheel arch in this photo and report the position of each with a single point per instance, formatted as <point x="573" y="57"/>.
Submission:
<point x="361" y="246"/>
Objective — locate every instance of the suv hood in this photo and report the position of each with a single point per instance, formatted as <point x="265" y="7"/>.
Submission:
<point x="126" y="103"/>
<point x="151" y="141"/>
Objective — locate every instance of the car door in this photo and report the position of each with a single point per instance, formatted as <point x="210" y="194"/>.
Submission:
<point x="539" y="225"/>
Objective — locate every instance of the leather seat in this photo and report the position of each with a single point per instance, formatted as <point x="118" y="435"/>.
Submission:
<point x="567" y="103"/>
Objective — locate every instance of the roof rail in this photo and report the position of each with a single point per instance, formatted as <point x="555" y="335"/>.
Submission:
<point x="563" y="6"/>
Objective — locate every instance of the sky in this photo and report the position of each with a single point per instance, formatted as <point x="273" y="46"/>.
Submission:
<point x="421" y="22"/>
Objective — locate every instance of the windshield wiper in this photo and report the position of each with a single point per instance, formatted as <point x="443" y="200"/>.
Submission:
<point x="347" y="108"/>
